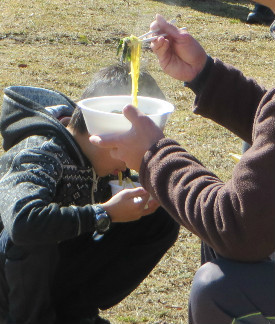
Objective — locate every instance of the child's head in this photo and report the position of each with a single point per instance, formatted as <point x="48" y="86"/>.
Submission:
<point x="115" y="80"/>
<point x="112" y="80"/>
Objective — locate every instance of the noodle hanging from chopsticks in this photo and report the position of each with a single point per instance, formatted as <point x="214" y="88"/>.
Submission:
<point x="135" y="67"/>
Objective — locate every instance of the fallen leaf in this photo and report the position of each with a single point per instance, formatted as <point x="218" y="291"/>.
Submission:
<point x="22" y="65"/>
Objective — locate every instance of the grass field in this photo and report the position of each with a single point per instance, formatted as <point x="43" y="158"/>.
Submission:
<point x="59" y="44"/>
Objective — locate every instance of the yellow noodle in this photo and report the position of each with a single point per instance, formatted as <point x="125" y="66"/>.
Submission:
<point x="120" y="178"/>
<point x="131" y="182"/>
<point x="135" y="66"/>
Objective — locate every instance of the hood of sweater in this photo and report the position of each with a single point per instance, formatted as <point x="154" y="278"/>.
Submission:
<point x="28" y="111"/>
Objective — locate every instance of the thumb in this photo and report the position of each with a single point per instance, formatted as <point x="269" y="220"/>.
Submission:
<point x="138" y="120"/>
<point x="112" y="140"/>
<point x="167" y="27"/>
<point x="132" y="113"/>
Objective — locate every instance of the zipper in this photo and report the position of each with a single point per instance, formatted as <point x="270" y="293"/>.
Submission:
<point x="94" y="185"/>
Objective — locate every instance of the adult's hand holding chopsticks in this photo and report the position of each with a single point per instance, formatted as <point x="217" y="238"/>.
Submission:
<point x="179" y="54"/>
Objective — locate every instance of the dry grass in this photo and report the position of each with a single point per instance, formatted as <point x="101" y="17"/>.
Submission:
<point x="59" y="44"/>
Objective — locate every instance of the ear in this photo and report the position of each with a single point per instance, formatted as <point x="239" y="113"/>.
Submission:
<point x="65" y="121"/>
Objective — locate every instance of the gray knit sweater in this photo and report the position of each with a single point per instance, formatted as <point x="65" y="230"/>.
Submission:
<point x="46" y="183"/>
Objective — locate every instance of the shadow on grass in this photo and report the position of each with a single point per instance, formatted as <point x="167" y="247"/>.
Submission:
<point x="227" y="9"/>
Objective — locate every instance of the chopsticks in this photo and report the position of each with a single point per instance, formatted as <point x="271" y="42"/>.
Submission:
<point x="146" y="39"/>
<point x="150" y="39"/>
<point x="155" y="31"/>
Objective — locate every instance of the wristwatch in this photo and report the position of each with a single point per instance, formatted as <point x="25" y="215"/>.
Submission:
<point x="102" y="219"/>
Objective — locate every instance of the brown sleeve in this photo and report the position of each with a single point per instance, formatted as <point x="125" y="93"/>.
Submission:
<point x="230" y="99"/>
<point x="236" y="218"/>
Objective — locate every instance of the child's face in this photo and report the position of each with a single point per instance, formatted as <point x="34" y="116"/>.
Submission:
<point x="103" y="163"/>
<point x="100" y="158"/>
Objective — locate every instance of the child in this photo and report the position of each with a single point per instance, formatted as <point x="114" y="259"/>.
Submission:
<point x="55" y="195"/>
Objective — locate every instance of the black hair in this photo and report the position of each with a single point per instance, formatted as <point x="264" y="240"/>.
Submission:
<point x="115" y="80"/>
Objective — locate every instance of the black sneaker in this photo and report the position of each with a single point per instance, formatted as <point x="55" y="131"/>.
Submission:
<point x="260" y="15"/>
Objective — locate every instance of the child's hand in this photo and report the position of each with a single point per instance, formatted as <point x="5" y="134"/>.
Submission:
<point x="130" y="205"/>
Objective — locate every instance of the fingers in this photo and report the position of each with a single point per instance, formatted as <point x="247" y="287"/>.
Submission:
<point x="150" y="207"/>
<point x="161" y="24"/>
<point x="139" y="195"/>
<point x="104" y="141"/>
<point x="160" y="46"/>
<point x="138" y="192"/>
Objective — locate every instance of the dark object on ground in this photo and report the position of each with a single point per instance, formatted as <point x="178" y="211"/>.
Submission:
<point x="260" y="15"/>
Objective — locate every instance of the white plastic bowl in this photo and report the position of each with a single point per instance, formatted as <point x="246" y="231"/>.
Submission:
<point x="100" y="119"/>
<point x="115" y="187"/>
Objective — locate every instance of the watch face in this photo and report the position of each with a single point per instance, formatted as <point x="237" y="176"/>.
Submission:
<point x="102" y="222"/>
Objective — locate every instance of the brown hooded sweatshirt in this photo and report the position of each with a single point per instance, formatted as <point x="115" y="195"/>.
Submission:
<point x="235" y="218"/>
